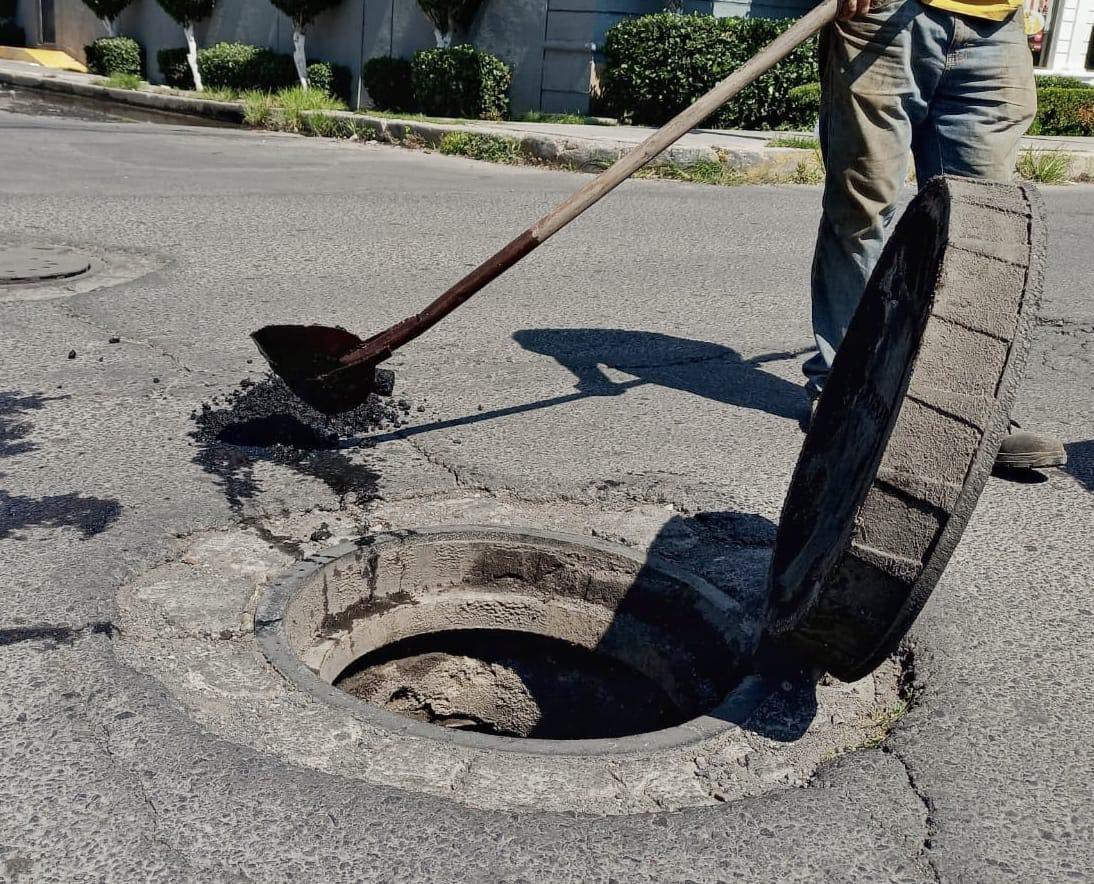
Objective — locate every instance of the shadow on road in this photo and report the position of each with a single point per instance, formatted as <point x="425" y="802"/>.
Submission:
<point x="1080" y="462"/>
<point x="90" y="515"/>
<point x="712" y="371"/>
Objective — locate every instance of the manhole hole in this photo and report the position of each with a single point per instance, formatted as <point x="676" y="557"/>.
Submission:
<point x="30" y="264"/>
<point x="481" y="634"/>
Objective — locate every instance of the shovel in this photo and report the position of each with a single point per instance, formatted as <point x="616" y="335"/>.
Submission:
<point x="333" y="370"/>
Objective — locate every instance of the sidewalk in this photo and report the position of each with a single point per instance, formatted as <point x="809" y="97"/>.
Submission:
<point x="587" y="147"/>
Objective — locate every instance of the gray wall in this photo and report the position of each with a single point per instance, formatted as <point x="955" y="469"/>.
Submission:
<point x="553" y="46"/>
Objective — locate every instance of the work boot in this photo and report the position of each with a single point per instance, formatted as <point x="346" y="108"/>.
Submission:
<point x="1026" y="451"/>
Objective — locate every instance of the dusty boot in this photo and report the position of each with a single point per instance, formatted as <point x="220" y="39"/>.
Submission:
<point x="1025" y="451"/>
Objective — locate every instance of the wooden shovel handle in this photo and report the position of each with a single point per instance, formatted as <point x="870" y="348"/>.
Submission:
<point x="382" y="345"/>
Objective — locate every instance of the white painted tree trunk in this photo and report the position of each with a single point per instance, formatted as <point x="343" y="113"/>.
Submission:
<point x="192" y="55"/>
<point x="298" y="55"/>
<point x="109" y="25"/>
<point x="443" y="38"/>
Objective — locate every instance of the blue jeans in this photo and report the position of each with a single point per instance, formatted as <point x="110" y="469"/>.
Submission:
<point x="955" y="93"/>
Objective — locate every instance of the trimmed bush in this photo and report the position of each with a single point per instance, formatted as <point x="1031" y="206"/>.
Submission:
<point x="461" y="82"/>
<point x="1055" y="81"/>
<point x="11" y="34"/>
<point x="803" y="106"/>
<point x="388" y="83"/>
<point x="174" y="68"/>
<point x="113" y="55"/>
<point x="333" y="79"/>
<point x="656" y="65"/>
<point x="1064" y="112"/>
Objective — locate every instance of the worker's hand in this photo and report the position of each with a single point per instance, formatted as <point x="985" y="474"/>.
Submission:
<point x="853" y="8"/>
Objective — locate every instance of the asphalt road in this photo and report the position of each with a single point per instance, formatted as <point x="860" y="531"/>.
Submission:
<point x="695" y="294"/>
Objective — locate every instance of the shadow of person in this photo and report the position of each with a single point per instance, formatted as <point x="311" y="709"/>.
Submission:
<point x="713" y="371"/>
<point x="718" y="672"/>
<point x="1080" y="462"/>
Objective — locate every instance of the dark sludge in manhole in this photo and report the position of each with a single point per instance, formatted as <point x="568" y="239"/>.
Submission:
<point x="511" y="684"/>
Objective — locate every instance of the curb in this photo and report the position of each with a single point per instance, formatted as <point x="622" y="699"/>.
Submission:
<point x="571" y="152"/>
<point x="224" y="111"/>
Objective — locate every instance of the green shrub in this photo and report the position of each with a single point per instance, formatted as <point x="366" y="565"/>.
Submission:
<point x="388" y="83"/>
<point x="113" y="55"/>
<point x="331" y="79"/>
<point x="461" y="82"/>
<point x="174" y="68"/>
<point x="1064" y="112"/>
<point x="802" y="106"/>
<point x="656" y="65"/>
<point x="1055" y="81"/>
<point x="11" y="34"/>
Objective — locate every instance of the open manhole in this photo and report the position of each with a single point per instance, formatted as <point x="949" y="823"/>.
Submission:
<point x="22" y="265"/>
<point x="480" y="634"/>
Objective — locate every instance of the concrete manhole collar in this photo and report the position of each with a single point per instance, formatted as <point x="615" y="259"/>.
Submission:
<point x="516" y="640"/>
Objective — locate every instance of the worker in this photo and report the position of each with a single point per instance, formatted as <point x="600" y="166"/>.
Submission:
<point x="948" y="83"/>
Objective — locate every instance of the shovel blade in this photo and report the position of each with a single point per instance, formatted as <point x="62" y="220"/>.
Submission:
<point x="308" y="359"/>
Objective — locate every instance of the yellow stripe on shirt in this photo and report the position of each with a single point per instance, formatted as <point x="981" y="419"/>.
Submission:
<point x="996" y="10"/>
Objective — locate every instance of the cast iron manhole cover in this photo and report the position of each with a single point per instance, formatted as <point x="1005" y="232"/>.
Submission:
<point x="29" y="264"/>
<point x="906" y="433"/>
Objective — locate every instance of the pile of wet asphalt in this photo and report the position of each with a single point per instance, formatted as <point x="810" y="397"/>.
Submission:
<point x="265" y="421"/>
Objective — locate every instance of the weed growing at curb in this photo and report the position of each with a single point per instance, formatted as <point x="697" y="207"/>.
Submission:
<point x="124" y="81"/>
<point x="478" y="146"/>
<point x="801" y="142"/>
<point x="1045" y="166"/>
<point x="292" y="110"/>
<point x="569" y="119"/>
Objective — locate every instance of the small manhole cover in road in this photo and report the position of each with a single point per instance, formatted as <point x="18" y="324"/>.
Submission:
<point x="30" y="264"/>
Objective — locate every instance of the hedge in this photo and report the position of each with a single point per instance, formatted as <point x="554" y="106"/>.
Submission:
<point x="803" y="106"/>
<point x="113" y="55"/>
<point x="388" y="81"/>
<point x="461" y="82"/>
<point x="657" y="65"/>
<point x="242" y="67"/>
<point x="1055" y="81"/>
<point x="1064" y="112"/>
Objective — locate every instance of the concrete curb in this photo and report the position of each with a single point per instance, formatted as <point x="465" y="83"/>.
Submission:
<point x="573" y="152"/>
<point x="224" y="111"/>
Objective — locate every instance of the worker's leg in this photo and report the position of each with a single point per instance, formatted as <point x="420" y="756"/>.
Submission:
<point x="877" y="74"/>
<point x="982" y="107"/>
<point x="983" y="104"/>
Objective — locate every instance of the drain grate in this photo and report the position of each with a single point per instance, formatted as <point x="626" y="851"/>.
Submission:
<point x="30" y="264"/>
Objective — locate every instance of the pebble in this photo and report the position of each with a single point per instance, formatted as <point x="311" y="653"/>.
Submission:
<point x="71" y="354"/>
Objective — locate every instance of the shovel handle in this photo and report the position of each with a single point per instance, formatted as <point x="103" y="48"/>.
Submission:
<point x="381" y="346"/>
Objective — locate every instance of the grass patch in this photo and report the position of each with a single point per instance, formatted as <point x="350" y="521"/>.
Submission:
<point x="568" y="119"/>
<point x="1044" y="166"/>
<point x="290" y="111"/>
<point x="801" y="142"/>
<point x="123" y="81"/>
<point x="405" y="115"/>
<point x="479" y="146"/>
<point x="215" y="93"/>
<point x="882" y="721"/>
<point x="716" y="173"/>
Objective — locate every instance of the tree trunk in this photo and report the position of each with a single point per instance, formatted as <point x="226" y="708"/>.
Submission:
<point x="108" y="23"/>
<point x="298" y="55"/>
<point x="192" y="54"/>
<point x="443" y="38"/>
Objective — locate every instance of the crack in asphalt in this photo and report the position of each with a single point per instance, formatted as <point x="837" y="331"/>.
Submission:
<point x="928" y="812"/>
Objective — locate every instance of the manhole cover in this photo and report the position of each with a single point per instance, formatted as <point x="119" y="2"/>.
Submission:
<point x="906" y="433"/>
<point x="487" y="633"/>
<point x="30" y="264"/>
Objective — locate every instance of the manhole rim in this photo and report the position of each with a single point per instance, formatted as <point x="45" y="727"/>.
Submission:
<point x="732" y="712"/>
